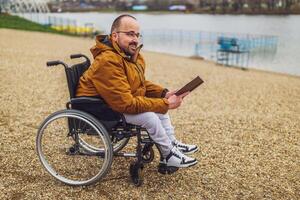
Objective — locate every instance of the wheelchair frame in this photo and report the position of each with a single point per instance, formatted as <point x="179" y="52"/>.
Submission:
<point x="115" y="139"/>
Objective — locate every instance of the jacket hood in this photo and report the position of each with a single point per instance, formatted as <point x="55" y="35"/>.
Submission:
<point x="104" y="43"/>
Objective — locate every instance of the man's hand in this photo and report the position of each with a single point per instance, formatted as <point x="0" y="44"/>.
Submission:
<point x="175" y="101"/>
<point x="168" y="94"/>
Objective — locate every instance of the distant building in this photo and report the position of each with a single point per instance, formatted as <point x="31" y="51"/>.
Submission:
<point x="29" y="6"/>
<point x="206" y="6"/>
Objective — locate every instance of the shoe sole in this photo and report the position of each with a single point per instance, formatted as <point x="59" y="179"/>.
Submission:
<point x="185" y="165"/>
<point x="164" y="169"/>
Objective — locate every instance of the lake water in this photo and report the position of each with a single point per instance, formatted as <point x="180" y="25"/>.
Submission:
<point x="286" y="58"/>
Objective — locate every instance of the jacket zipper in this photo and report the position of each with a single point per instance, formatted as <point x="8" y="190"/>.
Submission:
<point x="139" y="73"/>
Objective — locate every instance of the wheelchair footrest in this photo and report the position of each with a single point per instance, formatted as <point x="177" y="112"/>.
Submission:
<point x="164" y="169"/>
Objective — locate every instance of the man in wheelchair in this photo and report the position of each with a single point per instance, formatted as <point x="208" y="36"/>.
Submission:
<point x="117" y="76"/>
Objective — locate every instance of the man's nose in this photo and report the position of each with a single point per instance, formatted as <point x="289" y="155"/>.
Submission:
<point x="135" y="39"/>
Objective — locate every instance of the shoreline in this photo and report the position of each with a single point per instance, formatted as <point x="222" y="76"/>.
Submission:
<point x="185" y="13"/>
<point x="252" y="68"/>
<point x="274" y="59"/>
<point x="203" y="12"/>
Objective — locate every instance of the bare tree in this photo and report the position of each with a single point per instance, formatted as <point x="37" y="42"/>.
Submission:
<point x="224" y="5"/>
<point x="288" y="4"/>
<point x="271" y="4"/>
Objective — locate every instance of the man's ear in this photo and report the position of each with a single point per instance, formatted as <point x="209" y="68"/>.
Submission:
<point x="114" y="36"/>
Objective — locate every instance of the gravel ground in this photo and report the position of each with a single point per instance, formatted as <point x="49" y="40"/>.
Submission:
<point x="247" y="124"/>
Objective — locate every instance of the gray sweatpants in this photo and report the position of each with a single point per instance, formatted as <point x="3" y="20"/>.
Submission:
<point x="158" y="126"/>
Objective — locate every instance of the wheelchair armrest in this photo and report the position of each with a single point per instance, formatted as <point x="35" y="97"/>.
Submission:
<point x="86" y="100"/>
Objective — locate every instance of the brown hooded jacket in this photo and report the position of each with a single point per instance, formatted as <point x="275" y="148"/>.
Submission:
<point x="120" y="81"/>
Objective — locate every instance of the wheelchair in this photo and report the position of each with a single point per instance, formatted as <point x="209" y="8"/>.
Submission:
<point x="77" y="147"/>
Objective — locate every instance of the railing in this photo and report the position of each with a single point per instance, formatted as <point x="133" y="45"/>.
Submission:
<point x="205" y="44"/>
<point x="61" y="24"/>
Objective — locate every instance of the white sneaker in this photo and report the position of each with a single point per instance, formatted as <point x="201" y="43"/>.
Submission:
<point x="178" y="159"/>
<point x="185" y="148"/>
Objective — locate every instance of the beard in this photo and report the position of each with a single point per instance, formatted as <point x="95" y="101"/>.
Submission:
<point x="130" y="49"/>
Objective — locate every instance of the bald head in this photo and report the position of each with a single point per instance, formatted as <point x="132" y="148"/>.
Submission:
<point x="119" y="21"/>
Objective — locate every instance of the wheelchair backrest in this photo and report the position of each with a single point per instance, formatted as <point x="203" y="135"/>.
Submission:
<point x="74" y="73"/>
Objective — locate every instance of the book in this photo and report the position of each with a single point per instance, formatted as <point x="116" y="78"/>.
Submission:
<point x="190" y="86"/>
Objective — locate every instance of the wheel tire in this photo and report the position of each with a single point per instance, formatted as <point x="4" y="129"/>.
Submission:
<point x="136" y="174"/>
<point x="148" y="155"/>
<point x="89" y="160"/>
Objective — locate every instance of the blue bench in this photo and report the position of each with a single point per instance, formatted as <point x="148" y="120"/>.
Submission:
<point x="228" y="44"/>
<point x="230" y="50"/>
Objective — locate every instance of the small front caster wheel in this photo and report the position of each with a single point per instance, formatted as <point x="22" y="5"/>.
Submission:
<point x="136" y="174"/>
<point x="147" y="155"/>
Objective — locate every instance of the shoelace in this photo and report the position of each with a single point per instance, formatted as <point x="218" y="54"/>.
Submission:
<point x="182" y="146"/>
<point x="175" y="154"/>
<point x="182" y="160"/>
<point x="180" y="157"/>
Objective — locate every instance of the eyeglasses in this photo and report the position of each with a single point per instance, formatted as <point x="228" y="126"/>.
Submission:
<point x="131" y="34"/>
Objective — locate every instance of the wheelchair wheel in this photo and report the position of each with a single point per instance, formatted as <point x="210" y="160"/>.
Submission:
<point x="74" y="147"/>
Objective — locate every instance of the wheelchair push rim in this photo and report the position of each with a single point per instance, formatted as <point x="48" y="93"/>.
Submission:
<point x="84" y="159"/>
<point x="117" y="146"/>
